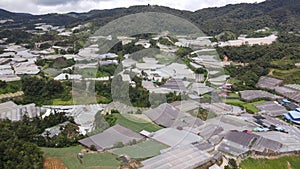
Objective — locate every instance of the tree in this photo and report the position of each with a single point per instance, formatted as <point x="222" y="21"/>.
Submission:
<point x="119" y="144"/>
<point x="183" y="51"/>
<point x="232" y="163"/>
<point x="93" y="147"/>
<point x="3" y="84"/>
<point x="16" y="147"/>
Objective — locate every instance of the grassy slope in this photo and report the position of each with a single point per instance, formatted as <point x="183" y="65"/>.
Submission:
<point x="280" y="163"/>
<point x="248" y="106"/>
<point x="11" y="87"/>
<point x="69" y="157"/>
<point x="137" y="126"/>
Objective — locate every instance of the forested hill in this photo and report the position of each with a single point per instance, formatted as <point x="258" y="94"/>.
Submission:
<point x="240" y="18"/>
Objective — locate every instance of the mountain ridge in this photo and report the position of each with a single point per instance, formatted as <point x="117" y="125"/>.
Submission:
<point x="237" y="18"/>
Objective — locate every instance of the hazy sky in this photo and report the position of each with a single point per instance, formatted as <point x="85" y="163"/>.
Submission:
<point x="64" y="6"/>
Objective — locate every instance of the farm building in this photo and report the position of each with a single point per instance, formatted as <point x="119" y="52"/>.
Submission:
<point x="10" y="110"/>
<point x="175" y="137"/>
<point x="175" y="85"/>
<point x="268" y="82"/>
<point x="84" y="115"/>
<point x="186" y="106"/>
<point x="231" y="122"/>
<point x="210" y="132"/>
<point x="222" y="108"/>
<point x="200" y="88"/>
<point x="271" y="108"/>
<point x="290" y="93"/>
<point x="111" y="136"/>
<point x="239" y="143"/>
<point x="251" y="95"/>
<point x="184" y="157"/>
<point x="168" y="116"/>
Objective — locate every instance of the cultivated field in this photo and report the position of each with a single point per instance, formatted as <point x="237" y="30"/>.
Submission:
<point x="136" y="125"/>
<point x="288" y="162"/>
<point x="53" y="163"/>
<point x="90" y="160"/>
<point x="248" y="106"/>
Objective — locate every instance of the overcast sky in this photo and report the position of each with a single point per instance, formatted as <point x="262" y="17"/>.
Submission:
<point x="64" y="6"/>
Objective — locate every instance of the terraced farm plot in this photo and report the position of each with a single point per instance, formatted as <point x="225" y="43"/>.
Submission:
<point x="141" y="150"/>
<point x="92" y="160"/>
<point x="290" y="76"/>
<point x="53" y="163"/>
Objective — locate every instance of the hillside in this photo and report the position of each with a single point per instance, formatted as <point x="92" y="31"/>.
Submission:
<point x="240" y="18"/>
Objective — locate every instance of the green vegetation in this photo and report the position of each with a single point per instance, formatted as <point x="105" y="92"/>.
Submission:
<point x="202" y="114"/>
<point x="183" y="51"/>
<point x="165" y="41"/>
<point x="196" y="70"/>
<point x="259" y="34"/>
<point x="128" y="122"/>
<point x="279" y="163"/>
<point x="258" y="60"/>
<point x="290" y="76"/>
<point x="129" y="48"/>
<point x="213" y="52"/>
<point x="107" y="70"/>
<point x="19" y="154"/>
<point x="136" y="126"/>
<point x="286" y="63"/>
<point x="57" y="63"/>
<point x="225" y="36"/>
<point x="234" y="95"/>
<point x="19" y="140"/>
<point x="238" y="19"/>
<point x="231" y="164"/>
<point x="157" y="99"/>
<point x="69" y="157"/>
<point x="248" y="106"/>
<point x="103" y="90"/>
<point x="10" y="87"/>
<point x="17" y="36"/>
<point x="141" y="150"/>
<point x="139" y="96"/>
<point x="42" y="90"/>
<point x="60" y="101"/>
